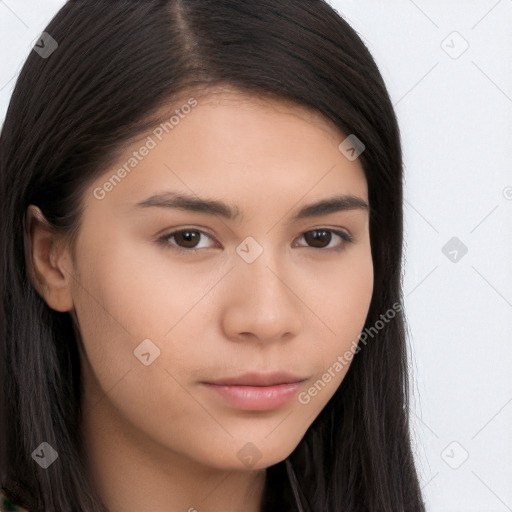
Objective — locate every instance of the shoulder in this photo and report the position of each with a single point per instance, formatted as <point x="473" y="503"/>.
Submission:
<point x="8" y="504"/>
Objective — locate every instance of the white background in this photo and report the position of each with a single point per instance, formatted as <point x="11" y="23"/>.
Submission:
<point x="455" y="116"/>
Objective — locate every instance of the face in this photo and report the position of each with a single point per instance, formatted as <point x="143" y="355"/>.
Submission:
<point x="170" y="298"/>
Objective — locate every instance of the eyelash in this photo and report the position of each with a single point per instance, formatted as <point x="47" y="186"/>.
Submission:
<point x="164" y="240"/>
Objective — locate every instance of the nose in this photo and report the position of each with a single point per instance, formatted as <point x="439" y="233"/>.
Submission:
<point x="261" y="304"/>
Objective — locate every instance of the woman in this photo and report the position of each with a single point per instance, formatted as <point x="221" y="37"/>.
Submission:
<point x="145" y="370"/>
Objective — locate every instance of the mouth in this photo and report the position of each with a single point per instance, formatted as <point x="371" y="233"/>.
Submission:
<point x="257" y="392"/>
<point x="259" y="379"/>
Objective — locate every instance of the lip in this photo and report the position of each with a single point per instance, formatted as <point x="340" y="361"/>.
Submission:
<point x="259" y="379"/>
<point x="257" y="391"/>
<point x="256" y="398"/>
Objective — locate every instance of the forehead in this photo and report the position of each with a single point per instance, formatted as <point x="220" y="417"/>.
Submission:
<point x="236" y="145"/>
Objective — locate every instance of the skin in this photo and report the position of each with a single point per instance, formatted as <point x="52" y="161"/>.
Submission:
<point x="158" y="439"/>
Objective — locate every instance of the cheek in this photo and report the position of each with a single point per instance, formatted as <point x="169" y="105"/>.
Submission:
<point x="125" y="301"/>
<point x="341" y="294"/>
<point x="127" y="295"/>
<point x="341" y="302"/>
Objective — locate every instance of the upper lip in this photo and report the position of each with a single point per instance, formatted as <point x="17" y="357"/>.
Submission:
<point x="259" y="379"/>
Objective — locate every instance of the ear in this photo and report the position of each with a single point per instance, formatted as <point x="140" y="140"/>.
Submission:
<point x="48" y="263"/>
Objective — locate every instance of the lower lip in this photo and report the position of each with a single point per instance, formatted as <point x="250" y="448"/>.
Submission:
<point x="257" y="398"/>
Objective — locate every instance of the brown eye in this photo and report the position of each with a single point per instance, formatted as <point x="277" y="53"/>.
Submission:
<point x="318" y="238"/>
<point x="184" y="240"/>
<point x="187" y="239"/>
<point x="322" y="238"/>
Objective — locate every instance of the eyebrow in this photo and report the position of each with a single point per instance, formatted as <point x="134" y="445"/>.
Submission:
<point x="231" y="212"/>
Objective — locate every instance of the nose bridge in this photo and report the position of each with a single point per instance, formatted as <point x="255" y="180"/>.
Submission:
<point x="263" y="264"/>
<point x="263" y="303"/>
<point x="264" y="285"/>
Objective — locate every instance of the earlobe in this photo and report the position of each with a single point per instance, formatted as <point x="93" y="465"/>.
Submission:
<point x="45" y="261"/>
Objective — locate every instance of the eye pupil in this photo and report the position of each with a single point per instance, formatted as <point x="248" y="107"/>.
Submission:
<point x="191" y="237"/>
<point x="312" y="237"/>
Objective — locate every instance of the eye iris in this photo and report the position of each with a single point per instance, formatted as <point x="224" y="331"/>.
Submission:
<point x="312" y="237"/>
<point x="191" y="238"/>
